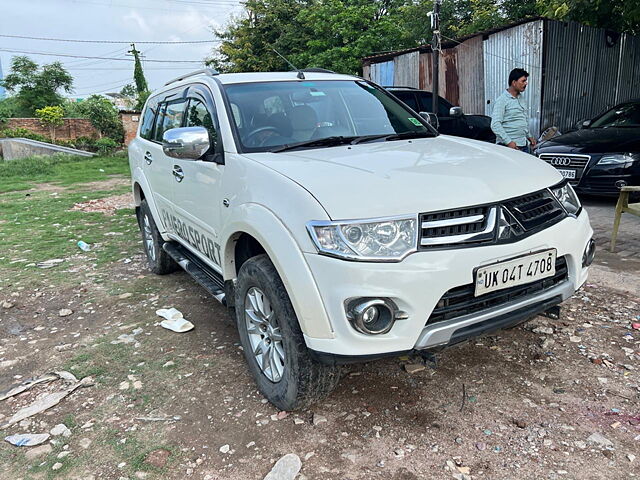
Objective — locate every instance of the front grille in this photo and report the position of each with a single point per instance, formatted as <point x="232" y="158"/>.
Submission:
<point x="461" y="301"/>
<point x="560" y="160"/>
<point x="535" y="210"/>
<point x="569" y="162"/>
<point x="499" y="223"/>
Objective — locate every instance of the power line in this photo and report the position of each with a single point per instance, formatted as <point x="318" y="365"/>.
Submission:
<point x="217" y="4"/>
<point x="97" y="58"/>
<point x="178" y="42"/>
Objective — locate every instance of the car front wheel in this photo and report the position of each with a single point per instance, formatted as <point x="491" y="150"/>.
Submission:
<point x="273" y="343"/>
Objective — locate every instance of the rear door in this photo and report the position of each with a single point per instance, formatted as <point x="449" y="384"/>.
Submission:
<point x="158" y="167"/>
<point x="197" y="198"/>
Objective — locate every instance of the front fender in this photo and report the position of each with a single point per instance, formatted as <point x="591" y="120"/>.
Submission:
<point x="262" y="224"/>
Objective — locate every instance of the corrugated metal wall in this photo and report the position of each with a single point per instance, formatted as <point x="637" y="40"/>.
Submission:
<point x="586" y="72"/>
<point x="470" y="78"/>
<point x="405" y="70"/>
<point x="519" y="46"/>
<point x="382" y="73"/>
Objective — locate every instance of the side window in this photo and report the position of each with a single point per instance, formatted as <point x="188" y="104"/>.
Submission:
<point x="198" y="115"/>
<point x="171" y="117"/>
<point x="426" y="104"/>
<point x="409" y="98"/>
<point x="146" y="127"/>
<point x="273" y="105"/>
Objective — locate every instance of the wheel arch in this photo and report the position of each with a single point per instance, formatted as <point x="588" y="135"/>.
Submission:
<point x="245" y="239"/>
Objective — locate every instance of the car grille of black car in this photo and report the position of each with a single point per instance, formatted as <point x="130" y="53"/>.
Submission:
<point x="460" y="301"/>
<point x="565" y="161"/>
<point x="504" y="222"/>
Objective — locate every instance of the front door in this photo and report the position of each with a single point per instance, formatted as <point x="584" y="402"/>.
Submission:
<point x="197" y="200"/>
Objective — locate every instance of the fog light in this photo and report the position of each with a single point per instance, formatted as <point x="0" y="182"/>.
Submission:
<point x="589" y="253"/>
<point x="373" y="316"/>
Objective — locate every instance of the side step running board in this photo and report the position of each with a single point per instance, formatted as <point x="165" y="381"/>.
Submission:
<point x="208" y="278"/>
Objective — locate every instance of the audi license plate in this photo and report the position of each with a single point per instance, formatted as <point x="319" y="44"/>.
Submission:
<point x="518" y="271"/>
<point x="567" y="173"/>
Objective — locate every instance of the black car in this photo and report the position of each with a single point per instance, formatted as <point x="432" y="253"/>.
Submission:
<point x="451" y="120"/>
<point x="603" y="155"/>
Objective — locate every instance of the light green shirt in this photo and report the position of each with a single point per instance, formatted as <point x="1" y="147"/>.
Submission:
<point x="509" y="119"/>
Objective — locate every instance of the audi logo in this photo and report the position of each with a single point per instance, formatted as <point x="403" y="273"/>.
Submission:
<point x="559" y="161"/>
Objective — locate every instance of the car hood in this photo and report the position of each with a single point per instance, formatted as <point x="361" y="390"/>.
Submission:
<point x="595" y="140"/>
<point x="407" y="177"/>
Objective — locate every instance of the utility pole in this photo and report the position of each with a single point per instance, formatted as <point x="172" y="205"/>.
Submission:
<point x="436" y="48"/>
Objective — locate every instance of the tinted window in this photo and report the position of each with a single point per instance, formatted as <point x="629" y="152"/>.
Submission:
<point x="409" y="98"/>
<point x="170" y="117"/>
<point x="146" y="127"/>
<point x="426" y="99"/>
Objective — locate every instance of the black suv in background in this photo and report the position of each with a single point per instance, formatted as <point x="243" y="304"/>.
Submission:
<point x="451" y="120"/>
<point x="603" y="155"/>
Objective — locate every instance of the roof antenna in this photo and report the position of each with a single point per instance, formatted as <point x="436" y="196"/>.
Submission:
<point x="300" y="73"/>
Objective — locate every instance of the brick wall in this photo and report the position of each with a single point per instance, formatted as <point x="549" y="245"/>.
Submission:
<point x="130" y="121"/>
<point x="71" y="129"/>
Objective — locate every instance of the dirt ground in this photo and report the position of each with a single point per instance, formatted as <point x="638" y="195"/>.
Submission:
<point x="523" y="404"/>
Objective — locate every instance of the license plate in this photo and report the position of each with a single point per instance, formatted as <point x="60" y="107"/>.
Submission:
<point x="518" y="271"/>
<point x="567" y="173"/>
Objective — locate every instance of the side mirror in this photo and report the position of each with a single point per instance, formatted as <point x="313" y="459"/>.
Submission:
<point x="585" y="124"/>
<point x="431" y="118"/>
<point x="455" y="112"/>
<point x="189" y="143"/>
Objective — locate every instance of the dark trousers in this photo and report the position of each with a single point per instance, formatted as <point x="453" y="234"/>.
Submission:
<point x="524" y="149"/>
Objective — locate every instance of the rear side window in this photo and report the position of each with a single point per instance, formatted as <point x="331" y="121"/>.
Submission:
<point x="409" y="98"/>
<point x="146" y="127"/>
<point x="170" y="117"/>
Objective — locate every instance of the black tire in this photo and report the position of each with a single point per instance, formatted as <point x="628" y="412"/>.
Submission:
<point x="159" y="261"/>
<point x="303" y="380"/>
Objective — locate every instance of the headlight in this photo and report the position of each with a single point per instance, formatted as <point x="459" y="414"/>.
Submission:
<point x="567" y="198"/>
<point x="620" y="160"/>
<point x="382" y="240"/>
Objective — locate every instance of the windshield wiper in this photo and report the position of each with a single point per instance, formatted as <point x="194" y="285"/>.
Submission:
<point x="391" y="136"/>
<point x="319" y="142"/>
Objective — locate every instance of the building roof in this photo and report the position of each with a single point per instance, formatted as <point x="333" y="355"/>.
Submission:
<point x="385" y="56"/>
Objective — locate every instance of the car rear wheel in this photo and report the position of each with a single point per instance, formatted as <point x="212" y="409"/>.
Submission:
<point x="273" y="343"/>
<point x="159" y="261"/>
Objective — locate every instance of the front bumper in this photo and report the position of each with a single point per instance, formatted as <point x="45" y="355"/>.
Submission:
<point x="418" y="282"/>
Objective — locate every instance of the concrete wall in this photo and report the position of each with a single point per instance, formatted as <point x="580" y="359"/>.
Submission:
<point x="16" y="148"/>
<point x="130" y="122"/>
<point x="71" y="129"/>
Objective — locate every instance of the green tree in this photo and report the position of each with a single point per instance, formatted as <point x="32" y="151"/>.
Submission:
<point x="138" y="77"/>
<point x="103" y="115"/>
<point x="52" y="117"/>
<point x="36" y="87"/>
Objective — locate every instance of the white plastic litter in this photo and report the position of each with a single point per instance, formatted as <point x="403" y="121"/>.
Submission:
<point x="173" y="320"/>
<point x="27" y="439"/>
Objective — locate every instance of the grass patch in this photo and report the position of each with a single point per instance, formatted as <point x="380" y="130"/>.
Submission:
<point x="59" y="169"/>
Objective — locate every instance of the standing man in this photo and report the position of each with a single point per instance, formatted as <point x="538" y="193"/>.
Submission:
<point x="510" y="117"/>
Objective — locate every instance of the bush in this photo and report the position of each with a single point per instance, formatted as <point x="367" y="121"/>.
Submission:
<point x="106" y="145"/>
<point x="23" y="133"/>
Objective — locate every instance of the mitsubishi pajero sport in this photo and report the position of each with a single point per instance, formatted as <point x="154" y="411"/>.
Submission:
<point x="338" y="226"/>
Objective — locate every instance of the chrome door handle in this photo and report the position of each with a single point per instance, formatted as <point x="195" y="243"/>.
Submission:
<point x="178" y="174"/>
<point x="148" y="158"/>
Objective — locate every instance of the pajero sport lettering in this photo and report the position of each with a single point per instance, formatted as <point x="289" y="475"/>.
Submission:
<point x="339" y="227"/>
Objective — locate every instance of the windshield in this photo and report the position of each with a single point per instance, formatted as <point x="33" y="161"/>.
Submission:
<point x="627" y="115"/>
<point x="270" y="115"/>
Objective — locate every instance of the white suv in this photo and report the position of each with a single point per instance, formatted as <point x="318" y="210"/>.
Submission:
<point x="340" y="227"/>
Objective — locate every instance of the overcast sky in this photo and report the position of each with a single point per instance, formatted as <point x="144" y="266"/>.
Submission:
<point x="119" y="20"/>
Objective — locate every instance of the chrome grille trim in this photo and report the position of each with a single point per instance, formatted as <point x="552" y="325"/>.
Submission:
<point x="484" y="235"/>
<point x="566" y="160"/>
<point x="453" y="221"/>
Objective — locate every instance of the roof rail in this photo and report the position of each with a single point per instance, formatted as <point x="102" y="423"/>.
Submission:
<point x="316" y="70"/>
<point x="205" y="71"/>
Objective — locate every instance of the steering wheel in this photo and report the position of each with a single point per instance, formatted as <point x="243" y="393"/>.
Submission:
<point x="251" y="141"/>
